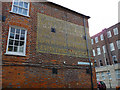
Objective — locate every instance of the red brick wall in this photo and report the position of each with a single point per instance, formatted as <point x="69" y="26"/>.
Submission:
<point x="106" y="42"/>
<point x="22" y="74"/>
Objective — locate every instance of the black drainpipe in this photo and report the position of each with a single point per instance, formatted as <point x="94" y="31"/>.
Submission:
<point x="88" y="52"/>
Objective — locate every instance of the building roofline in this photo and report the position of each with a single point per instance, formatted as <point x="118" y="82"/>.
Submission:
<point x="68" y="9"/>
<point x="106" y="29"/>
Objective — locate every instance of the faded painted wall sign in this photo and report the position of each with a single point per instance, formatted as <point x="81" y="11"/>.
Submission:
<point x="67" y="38"/>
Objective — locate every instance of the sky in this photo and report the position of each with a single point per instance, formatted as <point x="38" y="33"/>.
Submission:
<point x="103" y="13"/>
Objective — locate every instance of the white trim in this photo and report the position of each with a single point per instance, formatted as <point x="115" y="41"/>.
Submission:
<point x="16" y="53"/>
<point x="12" y="53"/>
<point x="20" y="7"/>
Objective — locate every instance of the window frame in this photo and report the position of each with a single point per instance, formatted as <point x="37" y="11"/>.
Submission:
<point x="118" y="44"/>
<point x="117" y="71"/>
<point x="112" y="48"/>
<point x="100" y="62"/>
<point x="107" y="62"/>
<point x="101" y="37"/>
<point x="21" y="7"/>
<point x="92" y="41"/>
<point x="114" y="58"/>
<point x="104" y="49"/>
<point x="95" y="63"/>
<point x="103" y="76"/>
<point x="97" y="76"/>
<point x="109" y="34"/>
<point x="115" y="30"/>
<point x="93" y="52"/>
<point x="96" y="40"/>
<point x="98" y="50"/>
<point x="25" y="40"/>
<point x="109" y="75"/>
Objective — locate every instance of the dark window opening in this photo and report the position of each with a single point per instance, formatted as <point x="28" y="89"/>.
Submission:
<point x="95" y="63"/>
<point x="107" y="61"/>
<point x="54" y="71"/>
<point x="88" y="71"/>
<point x="114" y="59"/>
<point x="53" y="30"/>
<point x="101" y="64"/>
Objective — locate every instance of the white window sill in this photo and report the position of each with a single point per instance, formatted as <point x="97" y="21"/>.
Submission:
<point x="14" y="54"/>
<point x="19" y="14"/>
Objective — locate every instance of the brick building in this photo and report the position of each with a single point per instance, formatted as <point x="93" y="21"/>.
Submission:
<point x="44" y="46"/>
<point x="106" y="52"/>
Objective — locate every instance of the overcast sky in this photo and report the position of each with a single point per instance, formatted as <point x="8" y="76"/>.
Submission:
<point x="103" y="13"/>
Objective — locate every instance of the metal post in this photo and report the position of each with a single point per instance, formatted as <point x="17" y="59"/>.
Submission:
<point x="88" y="54"/>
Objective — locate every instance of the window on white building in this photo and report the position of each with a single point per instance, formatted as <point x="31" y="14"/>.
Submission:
<point x="101" y="37"/>
<point x="16" y="44"/>
<point x="114" y="59"/>
<point x="101" y="64"/>
<point x="117" y="73"/>
<point x="97" y="76"/>
<point x="109" y="75"/>
<point x="98" y="51"/>
<point x="20" y="7"/>
<point x="118" y="44"/>
<point x="92" y="41"/>
<point x="104" y="50"/>
<point x="115" y="30"/>
<point x="93" y="52"/>
<point x="109" y="34"/>
<point x="112" y="48"/>
<point x="96" y="39"/>
<point x="103" y="76"/>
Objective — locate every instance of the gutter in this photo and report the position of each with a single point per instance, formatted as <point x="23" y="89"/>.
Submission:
<point x="84" y="22"/>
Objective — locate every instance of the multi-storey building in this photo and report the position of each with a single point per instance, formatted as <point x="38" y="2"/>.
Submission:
<point x="44" y="46"/>
<point x="106" y="52"/>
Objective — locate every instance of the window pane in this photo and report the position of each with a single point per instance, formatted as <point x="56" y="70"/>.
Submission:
<point x="12" y="35"/>
<point x="18" y="31"/>
<point x="21" y="4"/>
<point x="25" y="5"/>
<point x="15" y="49"/>
<point x="15" y="9"/>
<point x="25" y="11"/>
<point x="16" y="2"/>
<point x="13" y="30"/>
<point x="22" y="31"/>
<point x="21" y="43"/>
<point x="10" y="42"/>
<point x="22" y="37"/>
<point x="10" y="48"/>
<point x="16" y="43"/>
<point x="20" y="10"/>
<point x="21" y="49"/>
<point x="17" y="36"/>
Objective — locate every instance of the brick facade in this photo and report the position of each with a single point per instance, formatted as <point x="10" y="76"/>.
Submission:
<point x="108" y="64"/>
<point x="106" y="42"/>
<point x="35" y="69"/>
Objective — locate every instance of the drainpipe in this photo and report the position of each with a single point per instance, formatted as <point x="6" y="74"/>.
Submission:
<point x="88" y="52"/>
